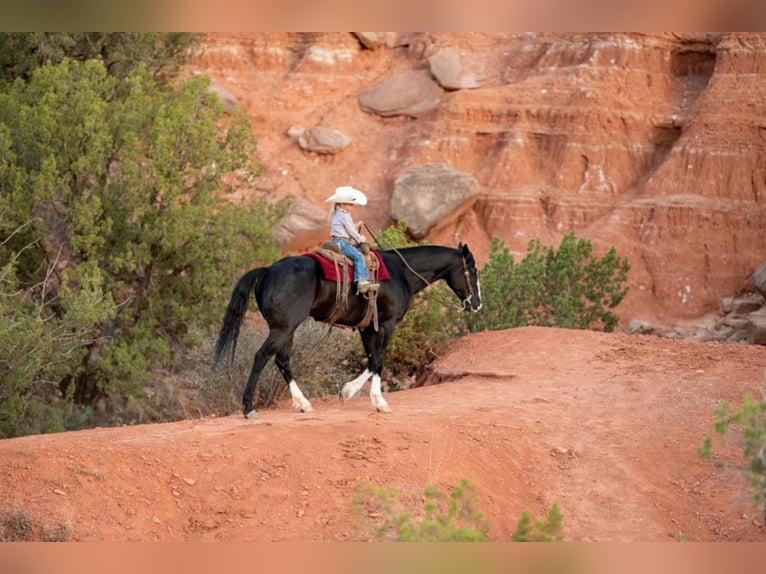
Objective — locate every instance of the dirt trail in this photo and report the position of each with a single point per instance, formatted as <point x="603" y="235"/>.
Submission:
<point x="604" y="425"/>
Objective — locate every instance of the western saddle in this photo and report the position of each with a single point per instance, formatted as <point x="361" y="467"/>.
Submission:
<point x="332" y="252"/>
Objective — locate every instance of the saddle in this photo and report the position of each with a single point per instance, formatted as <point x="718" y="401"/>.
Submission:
<point x="342" y="264"/>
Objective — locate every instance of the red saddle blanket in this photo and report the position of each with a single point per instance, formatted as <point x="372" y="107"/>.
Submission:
<point x="328" y="267"/>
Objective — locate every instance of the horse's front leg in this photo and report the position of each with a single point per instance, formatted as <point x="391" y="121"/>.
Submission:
<point x="376" y="395"/>
<point x="350" y="388"/>
<point x="300" y="402"/>
<point x="375" y="343"/>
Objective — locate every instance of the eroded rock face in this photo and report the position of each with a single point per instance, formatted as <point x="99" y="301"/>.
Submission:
<point x="653" y="143"/>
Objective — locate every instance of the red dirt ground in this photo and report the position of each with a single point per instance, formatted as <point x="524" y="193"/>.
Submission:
<point x="605" y="425"/>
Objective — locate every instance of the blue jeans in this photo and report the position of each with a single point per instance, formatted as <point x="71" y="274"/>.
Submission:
<point x="360" y="266"/>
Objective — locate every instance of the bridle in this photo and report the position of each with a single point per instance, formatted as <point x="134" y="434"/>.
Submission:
<point x="467" y="274"/>
<point x="465" y="302"/>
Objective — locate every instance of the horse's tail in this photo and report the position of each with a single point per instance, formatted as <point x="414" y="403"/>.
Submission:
<point x="235" y="312"/>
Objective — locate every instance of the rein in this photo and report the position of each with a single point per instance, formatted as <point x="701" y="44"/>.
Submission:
<point x="466" y="302"/>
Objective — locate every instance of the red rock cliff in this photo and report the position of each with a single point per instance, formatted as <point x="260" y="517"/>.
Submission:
<point x="653" y="143"/>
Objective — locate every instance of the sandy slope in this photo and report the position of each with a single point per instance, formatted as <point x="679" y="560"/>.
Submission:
<point x="604" y="425"/>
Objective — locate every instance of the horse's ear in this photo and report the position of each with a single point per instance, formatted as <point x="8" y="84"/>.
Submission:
<point x="460" y="246"/>
<point x="463" y="247"/>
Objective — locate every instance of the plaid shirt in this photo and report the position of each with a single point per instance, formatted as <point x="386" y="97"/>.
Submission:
<point x="343" y="225"/>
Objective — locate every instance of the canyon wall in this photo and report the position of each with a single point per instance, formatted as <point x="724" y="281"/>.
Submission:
<point x="653" y="143"/>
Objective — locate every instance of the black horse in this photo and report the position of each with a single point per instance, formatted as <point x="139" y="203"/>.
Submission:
<point x="294" y="288"/>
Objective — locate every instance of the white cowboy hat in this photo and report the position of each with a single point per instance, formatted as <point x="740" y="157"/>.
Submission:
<point x="347" y="194"/>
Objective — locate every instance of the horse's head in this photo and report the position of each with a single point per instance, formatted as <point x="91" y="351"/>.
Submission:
<point x="464" y="280"/>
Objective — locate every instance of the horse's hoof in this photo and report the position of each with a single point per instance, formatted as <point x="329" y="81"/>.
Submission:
<point x="252" y="415"/>
<point x="303" y="406"/>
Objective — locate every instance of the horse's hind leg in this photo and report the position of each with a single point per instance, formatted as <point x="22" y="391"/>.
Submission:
<point x="275" y="343"/>
<point x="300" y="402"/>
<point x="261" y="358"/>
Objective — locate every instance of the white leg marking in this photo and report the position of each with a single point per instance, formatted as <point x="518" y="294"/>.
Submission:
<point x="478" y="289"/>
<point x="376" y="396"/>
<point x="300" y="402"/>
<point x="349" y="389"/>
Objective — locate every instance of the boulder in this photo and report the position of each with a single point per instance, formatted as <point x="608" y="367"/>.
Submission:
<point x="230" y="103"/>
<point x="452" y="72"/>
<point x="408" y="94"/>
<point x="756" y="328"/>
<point x="304" y="221"/>
<point x="374" y="40"/>
<point x="425" y="195"/>
<point x="759" y="279"/>
<point x="746" y="304"/>
<point x="323" y="140"/>
<point x="639" y="326"/>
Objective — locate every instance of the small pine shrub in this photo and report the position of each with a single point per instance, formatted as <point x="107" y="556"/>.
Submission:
<point x="548" y="530"/>
<point x="443" y="518"/>
<point x="746" y="427"/>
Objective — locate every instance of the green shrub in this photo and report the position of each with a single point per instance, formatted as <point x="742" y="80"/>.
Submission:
<point x="21" y="53"/>
<point x="747" y="428"/>
<point x="38" y="350"/>
<point x="118" y="237"/>
<point x="548" y="530"/>
<point x="18" y="526"/>
<point x="453" y="518"/>
<point x="564" y="287"/>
